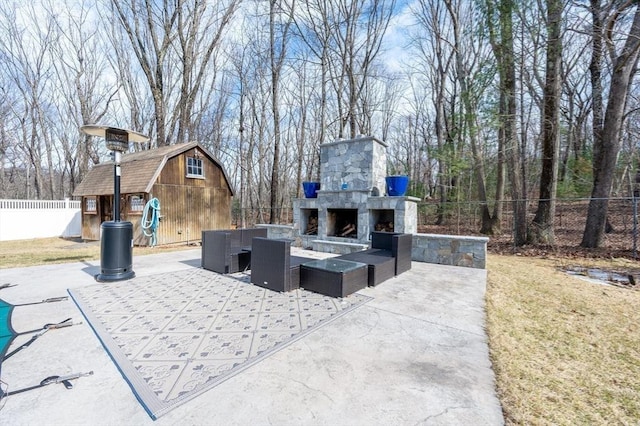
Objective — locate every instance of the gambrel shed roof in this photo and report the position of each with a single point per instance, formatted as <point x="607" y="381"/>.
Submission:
<point x="139" y="171"/>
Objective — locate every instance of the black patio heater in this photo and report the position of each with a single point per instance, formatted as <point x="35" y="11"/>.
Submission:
<point x="116" y="241"/>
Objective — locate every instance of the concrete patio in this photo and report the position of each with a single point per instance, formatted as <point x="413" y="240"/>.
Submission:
<point x="415" y="354"/>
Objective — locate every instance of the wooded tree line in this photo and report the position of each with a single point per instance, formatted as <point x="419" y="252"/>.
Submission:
<point x="479" y="100"/>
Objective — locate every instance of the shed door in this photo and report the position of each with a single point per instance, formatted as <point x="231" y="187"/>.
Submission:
<point x="106" y="208"/>
<point x="187" y="211"/>
<point x="198" y="199"/>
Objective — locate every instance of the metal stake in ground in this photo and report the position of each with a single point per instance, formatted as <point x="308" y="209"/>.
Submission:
<point x="116" y="241"/>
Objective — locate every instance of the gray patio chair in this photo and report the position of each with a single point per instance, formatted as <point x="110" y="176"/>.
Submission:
<point x="272" y="265"/>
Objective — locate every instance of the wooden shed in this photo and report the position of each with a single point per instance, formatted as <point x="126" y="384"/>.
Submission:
<point x="191" y="185"/>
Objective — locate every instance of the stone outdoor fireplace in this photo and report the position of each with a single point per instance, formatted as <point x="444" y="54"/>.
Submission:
<point x="351" y="201"/>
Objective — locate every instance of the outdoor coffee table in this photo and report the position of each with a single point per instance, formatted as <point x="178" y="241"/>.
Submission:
<point x="333" y="277"/>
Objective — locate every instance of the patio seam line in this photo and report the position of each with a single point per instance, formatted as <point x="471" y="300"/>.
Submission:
<point x="366" y="305"/>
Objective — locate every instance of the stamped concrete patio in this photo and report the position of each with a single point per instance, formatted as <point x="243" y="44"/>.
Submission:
<point x="416" y="353"/>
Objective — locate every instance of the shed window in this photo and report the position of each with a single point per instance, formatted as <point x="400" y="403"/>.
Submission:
<point x="90" y="205"/>
<point x="136" y="203"/>
<point x="194" y="167"/>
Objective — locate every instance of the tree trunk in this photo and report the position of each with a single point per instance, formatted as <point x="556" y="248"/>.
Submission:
<point x="542" y="230"/>
<point x="606" y="152"/>
<point x="277" y="55"/>
<point x="442" y="164"/>
<point x="502" y="45"/>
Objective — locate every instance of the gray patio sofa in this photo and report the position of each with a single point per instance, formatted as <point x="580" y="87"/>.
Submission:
<point x="227" y="251"/>
<point x="389" y="255"/>
<point x="272" y="265"/>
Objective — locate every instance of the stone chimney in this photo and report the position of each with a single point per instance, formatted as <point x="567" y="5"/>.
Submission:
<point x="358" y="164"/>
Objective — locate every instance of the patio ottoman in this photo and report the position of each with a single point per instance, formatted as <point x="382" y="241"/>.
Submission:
<point x="381" y="267"/>
<point x="333" y="277"/>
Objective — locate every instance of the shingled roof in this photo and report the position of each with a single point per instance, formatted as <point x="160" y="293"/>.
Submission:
<point x="139" y="171"/>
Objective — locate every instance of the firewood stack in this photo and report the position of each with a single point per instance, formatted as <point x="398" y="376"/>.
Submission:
<point x="384" y="226"/>
<point x="312" y="226"/>
<point x="348" y="231"/>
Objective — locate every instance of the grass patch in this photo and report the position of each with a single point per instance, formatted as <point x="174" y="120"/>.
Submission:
<point x="46" y="251"/>
<point x="564" y="351"/>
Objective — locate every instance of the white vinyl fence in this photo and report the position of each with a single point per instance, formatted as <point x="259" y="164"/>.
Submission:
<point x="27" y="219"/>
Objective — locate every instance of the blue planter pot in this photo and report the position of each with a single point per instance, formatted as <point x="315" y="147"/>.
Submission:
<point x="311" y="189"/>
<point x="397" y="185"/>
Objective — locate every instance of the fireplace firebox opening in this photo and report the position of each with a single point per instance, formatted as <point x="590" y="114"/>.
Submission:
<point x="309" y="218"/>
<point x="382" y="220"/>
<point x="342" y="223"/>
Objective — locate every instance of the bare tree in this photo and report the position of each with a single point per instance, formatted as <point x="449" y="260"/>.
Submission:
<point x="419" y="129"/>
<point x="174" y="42"/>
<point x="150" y="28"/>
<point x="199" y="35"/>
<point x="251" y="67"/>
<point x="278" y="41"/>
<point x="575" y="104"/>
<point x="26" y="48"/>
<point x="316" y="34"/>
<point x="300" y="105"/>
<point x="134" y="99"/>
<point x="501" y="37"/>
<point x="5" y="142"/>
<point x="575" y="113"/>
<point x="83" y="97"/>
<point x="436" y="61"/>
<point x="355" y="29"/>
<point x="607" y="147"/>
<point x="542" y="229"/>
<point x="471" y="89"/>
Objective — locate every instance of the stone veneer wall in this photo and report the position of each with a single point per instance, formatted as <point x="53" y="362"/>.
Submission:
<point x="360" y="164"/>
<point x="452" y="250"/>
<point x="337" y="247"/>
<point x="281" y="232"/>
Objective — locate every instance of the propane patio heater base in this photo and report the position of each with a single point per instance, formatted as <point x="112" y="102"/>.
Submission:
<point x="116" y="252"/>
